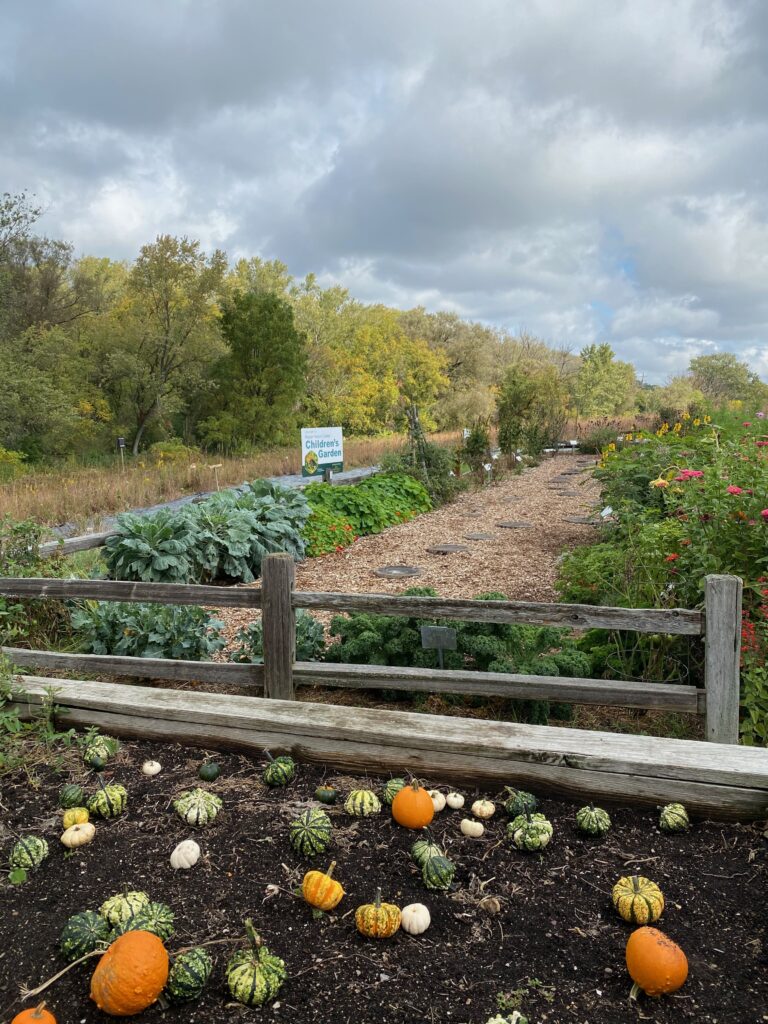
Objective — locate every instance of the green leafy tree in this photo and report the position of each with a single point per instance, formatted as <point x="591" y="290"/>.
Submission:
<point x="604" y="385"/>
<point x="721" y="377"/>
<point x="262" y="375"/>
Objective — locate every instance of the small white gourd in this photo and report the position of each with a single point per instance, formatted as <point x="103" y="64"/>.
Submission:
<point x="78" y="835"/>
<point x="483" y="809"/>
<point x="415" y="919"/>
<point x="438" y="799"/>
<point x="473" y="829"/>
<point x="186" y="855"/>
<point x="151" y="767"/>
<point x="455" y="801"/>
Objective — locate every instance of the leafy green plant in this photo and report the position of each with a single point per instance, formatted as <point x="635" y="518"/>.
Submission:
<point x="147" y="630"/>
<point x="32" y="743"/>
<point x="310" y="640"/>
<point x="374" y="504"/>
<point x="433" y="465"/>
<point x="11" y="465"/>
<point x="153" y="549"/>
<point x="327" y="531"/>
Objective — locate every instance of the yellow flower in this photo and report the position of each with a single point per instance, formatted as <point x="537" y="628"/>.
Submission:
<point x="677" y="428"/>
<point x="707" y="419"/>
<point x="697" y="422"/>
<point x="686" y="416"/>
<point x="611" y="447"/>
<point x="660" y="482"/>
<point x="628" y="437"/>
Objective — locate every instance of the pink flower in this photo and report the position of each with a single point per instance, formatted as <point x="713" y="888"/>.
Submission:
<point x="761" y="444"/>
<point x="671" y="558"/>
<point x="761" y="415"/>
<point x="764" y="514"/>
<point x="733" y="490"/>
<point x="746" y="424"/>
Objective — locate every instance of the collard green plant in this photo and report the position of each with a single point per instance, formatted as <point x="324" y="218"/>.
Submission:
<point x="147" y="630"/>
<point x="155" y="548"/>
<point x="310" y="640"/>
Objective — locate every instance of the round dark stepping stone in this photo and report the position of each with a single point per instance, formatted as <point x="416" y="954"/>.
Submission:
<point x="569" y="494"/>
<point x="581" y="520"/>
<point x="479" y="536"/>
<point x="512" y="525"/>
<point x="446" y="549"/>
<point x="396" y="571"/>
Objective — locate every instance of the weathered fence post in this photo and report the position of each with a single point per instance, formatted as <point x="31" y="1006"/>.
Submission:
<point x="279" y="622"/>
<point x="722" y="643"/>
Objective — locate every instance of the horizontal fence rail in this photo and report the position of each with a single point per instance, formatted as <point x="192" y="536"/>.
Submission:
<point x="680" y="621"/>
<point x="118" y="590"/>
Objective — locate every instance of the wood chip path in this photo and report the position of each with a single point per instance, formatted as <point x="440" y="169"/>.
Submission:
<point x="521" y="563"/>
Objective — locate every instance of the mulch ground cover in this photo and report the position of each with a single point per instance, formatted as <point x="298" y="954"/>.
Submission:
<point x="534" y="932"/>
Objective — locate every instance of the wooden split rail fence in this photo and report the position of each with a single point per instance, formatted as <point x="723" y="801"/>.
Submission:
<point x="718" y="778"/>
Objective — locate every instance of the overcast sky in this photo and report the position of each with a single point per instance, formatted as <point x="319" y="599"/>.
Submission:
<point x="586" y="169"/>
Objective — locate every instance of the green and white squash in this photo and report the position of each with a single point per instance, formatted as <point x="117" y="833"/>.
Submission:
<point x="71" y="795"/>
<point x="438" y="872"/>
<point x="519" y="801"/>
<point x="123" y="906"/>
<point x="99" y="749"/>
<point x="674" y="818"/>
<point x="530" y="832"/>
<point x="279" y="771"/>
<point x="197" y="806"/>
<point x="391" y="789"/>
<point x="361" y="803"/>
<point x="28" y="853"/>
<point x="423" y="850"/>
<point x="593" y="821"/>
<point x="157" y="918"/>
<point x="310" y="833"/>
<point x="254" y="975"/>
<point x="83" y="933"/>
<point x="109" y="801"/>
<point x="188" y="975"/>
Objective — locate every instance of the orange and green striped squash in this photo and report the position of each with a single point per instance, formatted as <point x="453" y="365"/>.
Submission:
<point x="638" y="899"/>
<point x="377" y="920"/>
<point x="320" y="890"/>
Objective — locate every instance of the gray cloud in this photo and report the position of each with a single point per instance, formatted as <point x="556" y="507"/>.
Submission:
<point x="588" y="169"/>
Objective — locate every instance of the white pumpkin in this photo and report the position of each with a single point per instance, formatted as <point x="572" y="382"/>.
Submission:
<point x="415" y="919"/>
<point x="78" y="835"/>
<point x="455" y="801"/>
<point x="483" y="809"/>
<point x="151" y="767"/>
<point x="186" y="855"/>
<point x="438" y="800"/>
<point x="473" y="829"/>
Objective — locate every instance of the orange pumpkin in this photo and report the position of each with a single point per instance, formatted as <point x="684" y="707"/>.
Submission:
<point x="131" y="974"/>
<point x="38" y="1015"/>
<point x="655" y="963"/>
<point x="320" y="890"/>
<point x="412" y="807"/>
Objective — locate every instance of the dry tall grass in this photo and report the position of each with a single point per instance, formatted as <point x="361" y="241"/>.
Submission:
<point x="82" y="496"/>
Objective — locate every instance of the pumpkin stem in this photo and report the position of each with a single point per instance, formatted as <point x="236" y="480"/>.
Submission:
<point x="38" y="1011"/>
<point x="253" y="936"/>
<point x="329" y="872"/>
<point x="269" y="755"/>
<point x="634" y="992"/>
<point x="377" y="901"/>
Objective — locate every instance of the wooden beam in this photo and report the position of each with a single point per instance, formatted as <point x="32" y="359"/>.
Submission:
<point x="679" y="621"/>
<point x="517" y="742"/>
<point x="232" y="674"/>
<point x="279" y="622"/>
<point x="70" y="545"/>
<point x="119" y="590"/>
<point x="665" y="696"/>
<point x="722" y="654"/>
<point x="721" y="782"/>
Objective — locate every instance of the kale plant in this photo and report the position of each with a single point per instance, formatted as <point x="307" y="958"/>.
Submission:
<point x="147" y="630"/>
<point x="310" y="640"/>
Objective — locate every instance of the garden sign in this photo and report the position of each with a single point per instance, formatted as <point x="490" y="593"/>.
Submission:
<point x="322" y="448"/>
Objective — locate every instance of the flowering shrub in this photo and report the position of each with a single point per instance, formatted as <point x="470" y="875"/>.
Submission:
<point x="327" y="531"/>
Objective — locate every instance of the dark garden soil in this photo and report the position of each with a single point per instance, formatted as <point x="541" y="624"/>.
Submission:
<point x="554" y="947"/>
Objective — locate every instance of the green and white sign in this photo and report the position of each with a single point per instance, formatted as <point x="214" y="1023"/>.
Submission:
<point x="321" y="448"/>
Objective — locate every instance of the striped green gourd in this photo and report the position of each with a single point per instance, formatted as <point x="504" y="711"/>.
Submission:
<point x="438" y="872"/>
<point x="424" y="849"/>
<point x="83" y="933"/>
<point x="530" y="832"/>
<point x="391" y="789"/>
<point x="254" y="975"/>
<point x="197" y="806"/>
<point x="28" y="853"/>
<point x="361" y="803"/>
<point x="279" y="771"/>
<point x="99" y="748"/>
<point x="188" y="975"/>
<point x="71" y="795"/>
<point x="157" y="918"/>
<point x="109" y="801"/>
<point x="593" y="821"/>
<point x="519" y="801"/>
<point x="674" y="818"/>
<point x="310" y="833"/>
<point x="123" y="906"/>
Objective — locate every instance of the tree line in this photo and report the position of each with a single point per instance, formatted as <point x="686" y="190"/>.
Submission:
<point x="183" y="343"/>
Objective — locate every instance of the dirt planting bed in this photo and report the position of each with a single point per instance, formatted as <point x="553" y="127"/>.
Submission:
<point x="539" y="931"/>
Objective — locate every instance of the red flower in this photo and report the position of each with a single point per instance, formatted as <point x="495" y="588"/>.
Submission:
<point x="746" y="424"/>
<point x="764" y="514"/>
<point x="671" y="558"/>
<point x="733" y="490"/>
